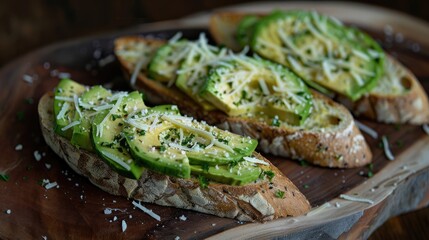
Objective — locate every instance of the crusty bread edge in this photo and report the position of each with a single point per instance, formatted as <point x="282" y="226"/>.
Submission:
<point x="345" y="148"/>
<point x="252" y="202"/>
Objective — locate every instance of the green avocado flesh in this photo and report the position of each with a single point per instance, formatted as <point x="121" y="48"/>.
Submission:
<point x="247" y="86"/>
<point x="245" y="29"/>
<point x="108" y="139"/>
<point x="93" y="98"/>
<point x="326" y="54"/>
<point x="168" y="142"/>
<point x="130" y="137"/>
<point x="240" y="174"/>
<point x="167" y="60"/>
<point x="64" y="106"/>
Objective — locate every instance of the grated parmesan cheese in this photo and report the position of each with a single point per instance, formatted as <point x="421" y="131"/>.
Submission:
<point x="72" y="124"/>
<point x="386" y="148"/>
<point x="116" y="159"/>
<point x="255" y="160"/>
<point x="51" y="185"/>
<point x="426" y="128"/>
<point x="147" y="211"/>
<point x="367" y="129"/>
<point x="124" y="225"/>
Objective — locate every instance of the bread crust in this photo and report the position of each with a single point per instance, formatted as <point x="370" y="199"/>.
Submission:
<point x="252" y="202"/>
<point x="341" y="146"/>
<point x="411" y="107"/>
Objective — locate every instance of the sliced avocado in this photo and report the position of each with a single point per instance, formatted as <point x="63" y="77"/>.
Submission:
<point x="223" y="148"/>
<point x="245" y="85"/>
<point x="240" y="174"/>
<point x="142" y="132"/>
<point x="108" y="139"/>
<point x="94" y="97"/>
<point x="167" y="60"/>
<point x="64" y="107"/>
<point x="245" y="29"/>
<point x="326" y="54"/>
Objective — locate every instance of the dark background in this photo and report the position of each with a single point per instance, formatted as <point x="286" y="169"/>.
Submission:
<point x="27" y="25"/>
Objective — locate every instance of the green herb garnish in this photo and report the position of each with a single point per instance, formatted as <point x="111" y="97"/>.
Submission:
<point x="279" y="194"/>
<point x="4" y="177"/>
<point x="203" y="181"/>
<point x="269" y="174"/>
<point x="275" y="122"/>
<point x="303" y="163"/>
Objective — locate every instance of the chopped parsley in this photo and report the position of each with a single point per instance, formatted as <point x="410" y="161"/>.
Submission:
<point x="306" y="186"/>
<point x="279" y="194"/>
<point x="29" y="100"/>
<point x="4" y="177"/>
<point x="370" y="170"/>
<point x="205" y="167"/>
<point x="269" y="174"/>
<point x="203" y="181"/>
<point x="303" y="163"/>
<point x="275" y="122"/>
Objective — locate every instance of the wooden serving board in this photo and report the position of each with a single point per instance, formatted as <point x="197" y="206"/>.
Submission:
<point x="75" y="210"/>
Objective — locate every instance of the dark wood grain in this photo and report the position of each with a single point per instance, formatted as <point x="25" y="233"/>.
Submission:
<point x="75" y="209"/>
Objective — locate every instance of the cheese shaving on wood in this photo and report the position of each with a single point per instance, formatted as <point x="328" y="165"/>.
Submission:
<point x="356" y="199"/>
<point x="367" y="129"/>
<point x="148" y="211"/>
<point x="51" y="185"/>
<point x="255" y="160"/>
<point x="386" y="148"/>
<point x="426" y="128"/>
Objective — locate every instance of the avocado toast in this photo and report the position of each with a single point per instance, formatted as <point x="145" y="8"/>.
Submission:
<point x="249" y="96"/>
<point x="337" y="60"/>
<point x="156" y="155"/>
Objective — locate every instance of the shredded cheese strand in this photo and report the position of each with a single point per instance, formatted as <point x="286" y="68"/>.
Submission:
<point x="116" y="159"/>
<point x="367" y="129"/>
<point x="72" y="124"/>
<point x="386" y="148"/>
<point x="147" y="211"/>
<point x="63" y="110"/>
<point x="255" y="160"/>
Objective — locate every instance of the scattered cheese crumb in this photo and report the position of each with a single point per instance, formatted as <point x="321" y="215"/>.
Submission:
<point x="18" y="147"/>
<point x="213" y="224"/>
<point x="8" y="211"/>
<point x="131" y="216"/>
<point x="108" y="211"/>
<point x="51" y="185"/>
<point x="27" y="78"/>
<point x="115" y="218"/>
<point x="48" y="166"/>
<point x="124" y="226"/>
<point x="337" y="204"/>
<point x="37" y="155"/>
<point x="177" y="238"/>
<point x="183" y="218"/>
<point x="44" y="237"/>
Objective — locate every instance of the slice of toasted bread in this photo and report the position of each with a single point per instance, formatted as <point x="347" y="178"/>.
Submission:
<point x="408" y="104"/>
<point x="253" y="202"/>
<point x="338" y="143"/>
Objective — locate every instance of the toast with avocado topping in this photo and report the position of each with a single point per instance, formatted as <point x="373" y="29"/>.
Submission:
<point x="394" y="95"/>
<point x="156" y="155"/>
<point x="256" y="98"/>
